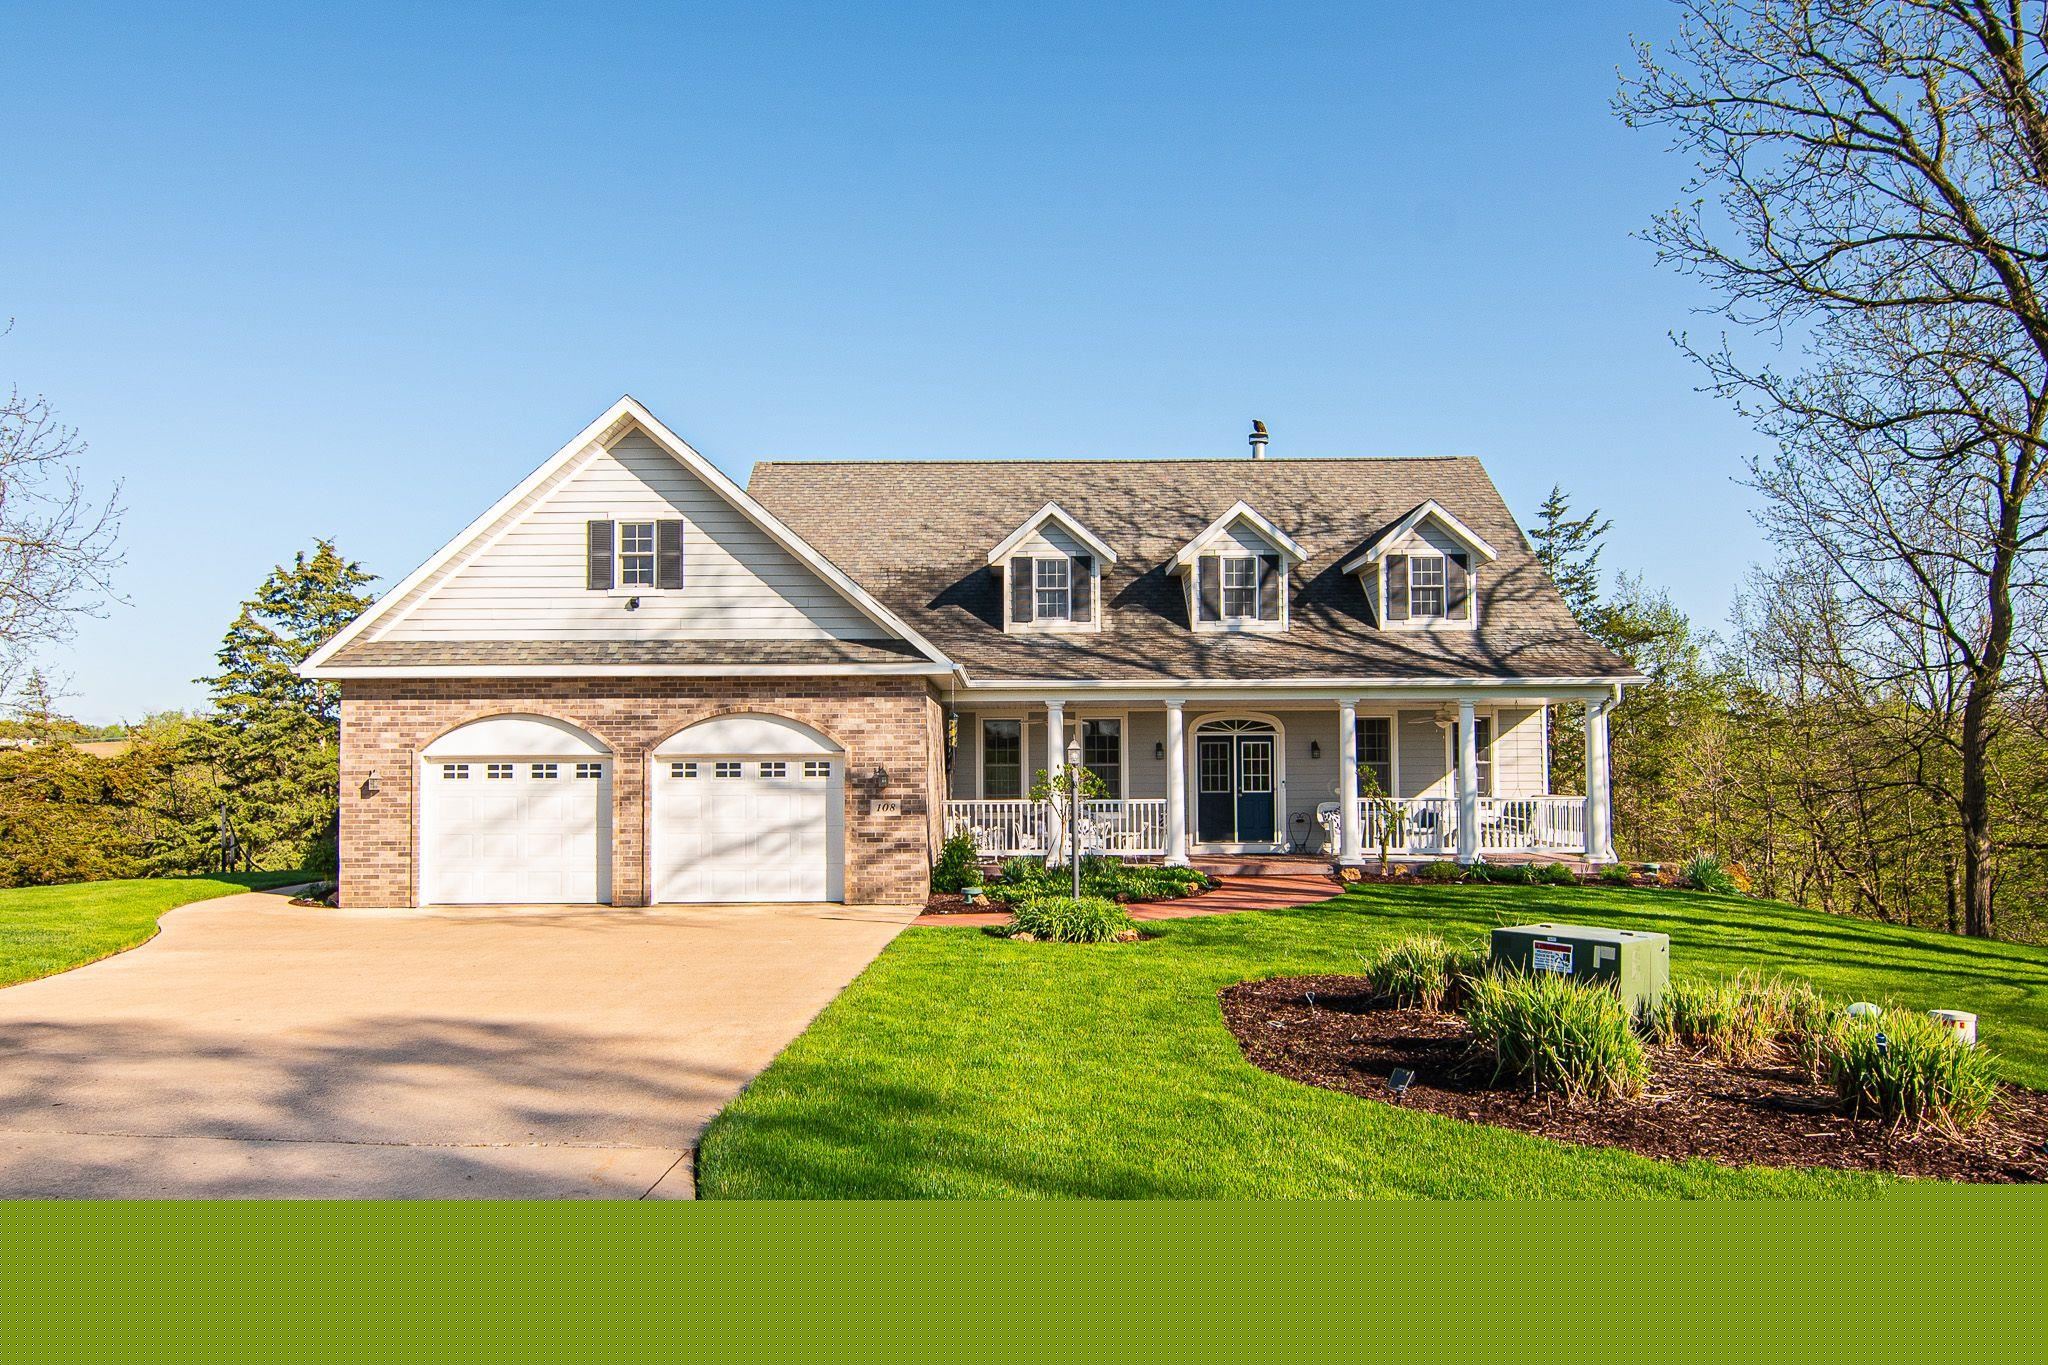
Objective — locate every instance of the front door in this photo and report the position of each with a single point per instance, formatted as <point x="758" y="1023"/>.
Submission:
<point x="1234" y="786"/>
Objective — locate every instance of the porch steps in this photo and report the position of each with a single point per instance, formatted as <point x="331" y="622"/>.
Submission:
<point x="1262" y="864"/>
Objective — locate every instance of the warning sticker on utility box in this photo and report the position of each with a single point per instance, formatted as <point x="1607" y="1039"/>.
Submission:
<point x="1546" y="956"/>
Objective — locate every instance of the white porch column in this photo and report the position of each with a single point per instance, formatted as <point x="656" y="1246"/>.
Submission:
<point x="1599" y="785"/>
<point x="1468" y="782"/>
<point x="1055" y="769"/>
<point x="1349" y="850"/>
<point x="1176" y="786"/>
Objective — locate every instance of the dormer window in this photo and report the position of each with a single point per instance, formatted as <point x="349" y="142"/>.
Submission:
<point x="1240" y="588"/>
<point x="1055" y="588"/>
<point x="1050" y="571"/>
<point x="1422" y="573"/>
<point x="1236" y="573"/>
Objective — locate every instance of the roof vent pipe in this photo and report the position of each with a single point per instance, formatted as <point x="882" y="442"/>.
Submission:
<point x="1258" y="439"/>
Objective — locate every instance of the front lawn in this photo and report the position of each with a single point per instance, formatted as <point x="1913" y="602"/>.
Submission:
<point x="46" y="929"/>
<point x="962" y="1066"/>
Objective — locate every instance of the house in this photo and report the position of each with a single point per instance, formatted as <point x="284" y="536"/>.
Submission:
<point x="632" y="681"/>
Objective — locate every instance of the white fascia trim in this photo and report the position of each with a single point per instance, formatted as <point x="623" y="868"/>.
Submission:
<point x="1052" y="511"/>
<point x="1429" y="510"/>
<point x="1028" y="690"/>
<point x="607" y="427"/>
<point x="340" y="672"/>
<point x="1278" y="538"/>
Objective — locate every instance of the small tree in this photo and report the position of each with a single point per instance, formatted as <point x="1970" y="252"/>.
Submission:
<point x="1077" y="784"/>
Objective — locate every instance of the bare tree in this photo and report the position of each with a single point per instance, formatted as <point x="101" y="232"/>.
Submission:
<point x="57" y="542"/>
<point x="1872" y="195"/>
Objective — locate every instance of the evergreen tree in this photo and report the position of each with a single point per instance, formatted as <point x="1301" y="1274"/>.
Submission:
<point x="273" y="741"/>
<point x="1569" y="548"/>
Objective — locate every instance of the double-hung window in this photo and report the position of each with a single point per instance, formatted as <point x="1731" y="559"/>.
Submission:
<point x="636" y="554"/>
<point x="1054" y="584"/>
<point x="1240" y="588"/>
<point x="1002" y="760"/>
<point x="1376" y="754"/>
<point x="1425" y="585"/>
<point x="1102" y="753"/>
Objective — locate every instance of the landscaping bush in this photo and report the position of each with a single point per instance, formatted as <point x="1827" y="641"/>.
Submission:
<point x="1925" y="1073"/>
<point x="1499" y="874"/>
<point x="1614" y="874"/>
<point x="1440" y="872"/>
<point x="1732" y="1019"/>
<point x="1108" y="878"/>
<point x="1422" y="970"/>
<point x="1806" y="1023"/>
<point x="1062" y="919"/>
<point x="1703" y="872"/>
<point x="1557" y="874"/>
<point x="1570" y="1039"/>
<point x="959" y="865"/>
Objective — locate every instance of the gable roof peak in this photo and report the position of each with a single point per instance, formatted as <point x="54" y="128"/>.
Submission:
<point x="1052" y="511"/>
<point x="1240" y="511"/>
<point x="1427" y="510"/>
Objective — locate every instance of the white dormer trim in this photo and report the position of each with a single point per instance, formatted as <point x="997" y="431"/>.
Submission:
<point x="612" y="424"/>
<point x="1052" y="511"/>
<point x="1432" y="510"/>
<point x="1185" y="558"/>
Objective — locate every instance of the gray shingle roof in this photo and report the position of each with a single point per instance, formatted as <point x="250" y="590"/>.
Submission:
<point x="621" y="653"/>
<point x="916" y="534"/>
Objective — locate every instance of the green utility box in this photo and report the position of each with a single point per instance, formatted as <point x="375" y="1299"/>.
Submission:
<point x="1636" y="965"/>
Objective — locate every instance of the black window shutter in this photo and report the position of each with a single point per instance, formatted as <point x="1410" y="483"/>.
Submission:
<point x="1397" y="587"/>
<point x="668" y="554"/>
<point x="1022" y="587"/>
<point x="598" y="572"/>
<point x="1209" y="588"/>
<point x="1269" y="587"/>
<point x="1457" y="578"/>
<point x="1083" y="570"/>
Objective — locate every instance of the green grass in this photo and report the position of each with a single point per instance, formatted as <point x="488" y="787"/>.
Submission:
<point x="961" y="1065"/>
<point x="47" y="929"/>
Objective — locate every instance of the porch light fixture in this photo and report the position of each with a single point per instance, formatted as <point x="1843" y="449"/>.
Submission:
<point x="1315" y="748"/>
<point x="1159" y="749"/>
<point x="372" y="785"/>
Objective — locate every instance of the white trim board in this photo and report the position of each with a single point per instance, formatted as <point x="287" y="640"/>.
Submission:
<point x="1052" y="511"/>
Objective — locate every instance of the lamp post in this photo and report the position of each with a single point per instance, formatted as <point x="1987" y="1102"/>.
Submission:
<point x="1073" y="776"/>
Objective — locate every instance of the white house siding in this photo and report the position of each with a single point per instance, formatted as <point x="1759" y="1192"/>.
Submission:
<point x="528" y="582"/>
<point x="1518" y="767"/>
<point x="1424" y="757"/>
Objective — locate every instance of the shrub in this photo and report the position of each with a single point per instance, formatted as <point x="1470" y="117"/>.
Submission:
<point x="1556" y="874"/>
<point x="1062" y="919"/>
<point x="323" y="858"/>
<point x="1732" y="1019"/>
<point x="1108" y="878"/>
<point x="1421" y="970"/>
<point x="1925" y="1073"/>
<point x="1440" y="872"/>
<point x="1703" y="872"/>
<point x="1614" y="874"/>
<point x="1806" y="1022"/>
<point x="1563" y="1037"/>
<point x="1499" y="874"/>
<point x="959" y="865"/>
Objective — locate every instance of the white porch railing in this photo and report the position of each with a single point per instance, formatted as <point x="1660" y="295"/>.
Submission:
<point x="1003" y="829"/>
<point x="1427" y="827"/>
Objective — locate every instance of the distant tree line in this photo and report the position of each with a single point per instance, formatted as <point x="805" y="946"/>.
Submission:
<point x="250" y="782"/>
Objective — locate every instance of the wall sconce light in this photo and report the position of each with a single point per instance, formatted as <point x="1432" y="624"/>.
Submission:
<point x="1159" y="749"/>
<point x="880" y="776"/>
<point x="372" y="785"/>
<point x="632" y="604"/>
<point x="1315" y="748"/>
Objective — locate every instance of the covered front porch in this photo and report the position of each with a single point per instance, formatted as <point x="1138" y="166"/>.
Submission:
<point x="1404" y="774"/>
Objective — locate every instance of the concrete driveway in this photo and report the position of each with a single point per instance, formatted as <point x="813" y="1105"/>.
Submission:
<point x="256" y="1049"/>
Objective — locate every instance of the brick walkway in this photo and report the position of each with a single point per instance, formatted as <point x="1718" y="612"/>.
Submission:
<point x="1235" y="894"/>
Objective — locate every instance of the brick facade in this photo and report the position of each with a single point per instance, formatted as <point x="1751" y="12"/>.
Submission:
<point x="889" y="724"/>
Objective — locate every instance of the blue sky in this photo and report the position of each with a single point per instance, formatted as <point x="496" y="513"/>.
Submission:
<point x="356" y="275"/>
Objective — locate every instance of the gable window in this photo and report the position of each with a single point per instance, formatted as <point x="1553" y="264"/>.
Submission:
<point x="1102" y="753"/>
<point x="1425" y="585"/>
<point x="636" y="554"/>
<point x="1002" y="760"/>
<point x="1376" y="754"/>
<point x="1240" y="588"/>
<point x="1055" y="588"/>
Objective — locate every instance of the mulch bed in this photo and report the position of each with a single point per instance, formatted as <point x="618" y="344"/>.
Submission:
<point x="953" y="903"/>
<point x="1763" y="1115"/>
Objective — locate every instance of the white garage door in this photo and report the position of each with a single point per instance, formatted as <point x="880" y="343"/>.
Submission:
<point x="749" y="826"/>
<point x="514" y="828"/>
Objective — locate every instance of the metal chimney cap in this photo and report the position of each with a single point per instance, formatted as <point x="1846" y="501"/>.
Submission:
<point x="1258" y="439"/>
